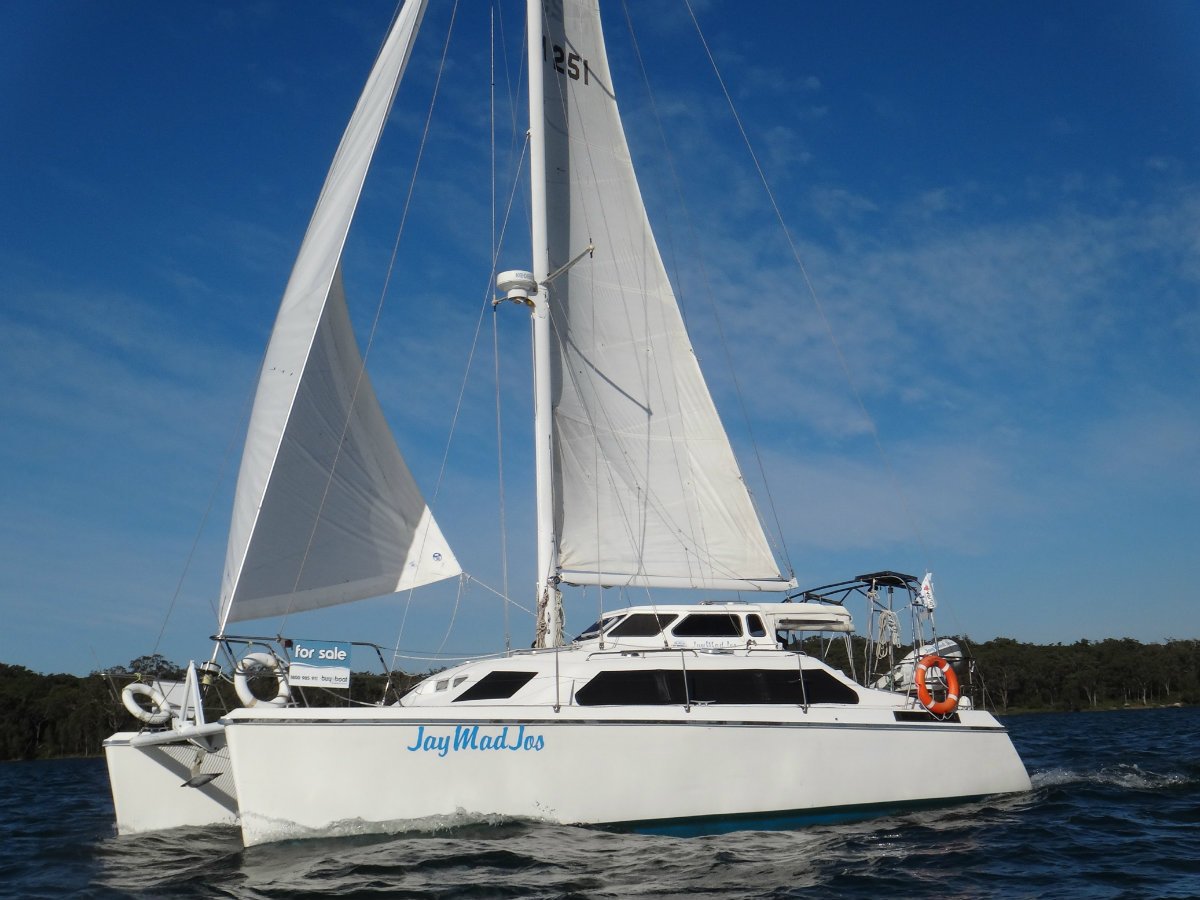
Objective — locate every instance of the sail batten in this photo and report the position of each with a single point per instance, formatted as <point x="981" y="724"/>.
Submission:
<point x="647" y="489"/>
<point x="326" y="510"/>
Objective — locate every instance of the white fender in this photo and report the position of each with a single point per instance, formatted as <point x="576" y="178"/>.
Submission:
<point x="241" y="680"/>
<point x="159" y="711"/>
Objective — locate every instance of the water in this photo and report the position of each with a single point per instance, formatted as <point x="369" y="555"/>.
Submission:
<point x="1115" y="812"/>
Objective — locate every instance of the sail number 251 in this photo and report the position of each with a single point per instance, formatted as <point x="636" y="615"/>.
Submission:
<point x="572" y="65"/>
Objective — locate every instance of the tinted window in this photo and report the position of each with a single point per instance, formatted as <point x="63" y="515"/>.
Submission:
<point x="594" y="629"/>
<point x="642" y="625"/>
<point x="755" y="626"/>
<point x="709" y="625"/>
<point x="920" y="715"/>
<point x="824" y="688"/>
<point x="496" y="686"/>
<point x="665" y="686"/>
<point x="654" y="687"/>
<point x="590" y="632"/>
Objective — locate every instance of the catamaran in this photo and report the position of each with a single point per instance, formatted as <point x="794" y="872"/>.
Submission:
<point x="695" y="716"/>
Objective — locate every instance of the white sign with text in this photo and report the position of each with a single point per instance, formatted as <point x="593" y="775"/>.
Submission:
<point x="320" y="664"/>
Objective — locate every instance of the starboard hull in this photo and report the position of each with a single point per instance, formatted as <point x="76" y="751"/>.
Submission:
<point x="308" y="773"/>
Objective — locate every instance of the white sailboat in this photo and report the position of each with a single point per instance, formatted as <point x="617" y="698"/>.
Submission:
<point x="637" y="485"/>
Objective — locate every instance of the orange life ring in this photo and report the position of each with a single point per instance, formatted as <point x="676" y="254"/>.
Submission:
<point x="942" y="707"/>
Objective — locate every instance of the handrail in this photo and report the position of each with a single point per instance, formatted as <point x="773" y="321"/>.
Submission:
<point x="645" y="651"/>
<point x="687" y="695"/>
<point x="178" y="735"/>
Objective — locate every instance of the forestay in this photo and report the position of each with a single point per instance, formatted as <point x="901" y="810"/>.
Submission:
<point x="326" y="510"/>
<point x="647" y="489"/>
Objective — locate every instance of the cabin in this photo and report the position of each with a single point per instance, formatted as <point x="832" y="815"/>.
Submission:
<point x="727" y="653"/>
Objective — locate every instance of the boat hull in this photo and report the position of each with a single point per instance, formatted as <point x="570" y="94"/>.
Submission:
<point x="149" y="791"/>
<point x="303" y="773"/>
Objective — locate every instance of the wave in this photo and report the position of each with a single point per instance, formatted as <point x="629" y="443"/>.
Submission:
<point x="1128" y="776"/>
<point x="453" y="825"/>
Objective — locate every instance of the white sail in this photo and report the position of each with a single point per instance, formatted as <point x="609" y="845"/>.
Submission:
<point x="326" y="510"/>
<point x="647" y="489"/>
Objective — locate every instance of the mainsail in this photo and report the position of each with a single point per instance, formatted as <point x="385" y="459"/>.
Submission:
<point x="326" y="511"/>
<point x="647" y="489"/>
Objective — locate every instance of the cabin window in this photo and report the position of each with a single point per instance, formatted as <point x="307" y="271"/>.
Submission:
<point x="595" y="628"/>
<point x="642" y="625"/>
<point x="496" y="686"/>
<point x="644" y="687"/>
<point x="658" y="687"/>
<point x="709" y="625"/>
<point x="442" y="684"/>
<point x="754" y="624"/>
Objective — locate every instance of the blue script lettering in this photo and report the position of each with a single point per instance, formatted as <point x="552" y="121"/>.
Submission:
<point x="469" y="737"/>
<point x="466" y="738"/>
<point x="420" y="735"/>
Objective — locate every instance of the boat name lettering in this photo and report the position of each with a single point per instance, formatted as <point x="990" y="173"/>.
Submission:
<point x="469" y="737"/>
<point x="567" y="63"/>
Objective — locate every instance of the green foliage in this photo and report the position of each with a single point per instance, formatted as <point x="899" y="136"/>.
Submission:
<point x="157" y="666"/>
<point x="44" y="716"/>
<point x="1087" y="674"/>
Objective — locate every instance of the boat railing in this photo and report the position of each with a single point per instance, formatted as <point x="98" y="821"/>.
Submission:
<point x="646" y="651"/>
<point x="240" y="648"/>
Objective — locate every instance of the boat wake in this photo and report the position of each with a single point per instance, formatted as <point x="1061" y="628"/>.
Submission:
<point x="1127" y="776"/>
<point x="458" y="824"/>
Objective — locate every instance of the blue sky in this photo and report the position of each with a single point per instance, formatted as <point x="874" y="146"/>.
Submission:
<point x="998" y="205"/>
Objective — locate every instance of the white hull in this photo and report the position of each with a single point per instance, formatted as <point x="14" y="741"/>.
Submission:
<point x="147" y="786"/>
<point x="309" y="772"/>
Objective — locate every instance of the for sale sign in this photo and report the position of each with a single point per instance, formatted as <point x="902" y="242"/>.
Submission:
<point x="320" y="664"/>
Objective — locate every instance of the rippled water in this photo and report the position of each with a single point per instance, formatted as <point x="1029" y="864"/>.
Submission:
<point x="1115" y="812"/>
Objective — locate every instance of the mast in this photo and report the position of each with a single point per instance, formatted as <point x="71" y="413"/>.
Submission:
<point x="549" y="600"/>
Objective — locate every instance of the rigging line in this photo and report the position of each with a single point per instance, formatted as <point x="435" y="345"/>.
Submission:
<point x="362" y="369"/>
<point x="500" y="476"/>
<point x="462" y="582"/>
<point x="496" y="341"/>
<point x="670" y="159"/>
<point x="212" y="499"/>
<point x="487" y="587"/>
<point x="514" y="128"/>
<point x="462" y="392"/>
<point x="429" y="657"/>
<point x="488" y="291"/>
<point x="812" y="292"/>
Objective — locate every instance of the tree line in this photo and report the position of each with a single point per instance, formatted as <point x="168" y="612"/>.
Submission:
<point x="1108" y="674"/>
<point x="49" y="716"/>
